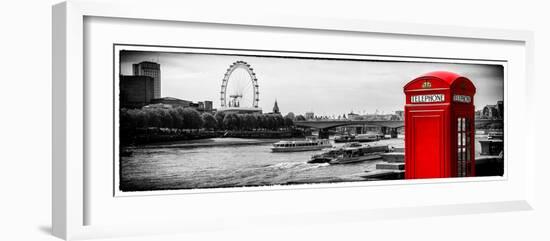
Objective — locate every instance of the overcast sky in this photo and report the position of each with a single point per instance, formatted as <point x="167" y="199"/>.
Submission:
<point x="326" y="87"/>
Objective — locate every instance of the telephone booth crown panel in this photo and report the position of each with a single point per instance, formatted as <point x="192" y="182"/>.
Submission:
<point x="439" y="126"/>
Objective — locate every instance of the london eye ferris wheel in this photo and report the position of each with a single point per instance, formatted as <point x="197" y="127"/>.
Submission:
<point x="239" y="87"/>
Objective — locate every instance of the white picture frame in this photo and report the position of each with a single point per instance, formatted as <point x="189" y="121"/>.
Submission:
<point x="74" y="191"/>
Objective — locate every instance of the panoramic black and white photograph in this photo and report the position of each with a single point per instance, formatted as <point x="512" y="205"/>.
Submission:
<point x="237" y="119"/>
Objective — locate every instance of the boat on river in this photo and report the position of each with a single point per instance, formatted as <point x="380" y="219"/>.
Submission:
<point x="368" y="137"/>
<point x="344" y="138"/>
<point x="330" y="153"/>
<point x="351" y="154"/>
<point x="361" y="154"/>
<point x="309" y="144"/>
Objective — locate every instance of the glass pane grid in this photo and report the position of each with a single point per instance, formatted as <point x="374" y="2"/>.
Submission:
<point x="463" y="147"/>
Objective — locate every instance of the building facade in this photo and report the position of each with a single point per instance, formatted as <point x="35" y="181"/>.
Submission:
<point x="490" y="112"/>
<point x="241" y="110"/>
<point x="173" y="102"/>
<point x="205" y="106"/>
<point x="136" y="91"/>
<point x="500" y="108"/>
<point x="152" y="70"/>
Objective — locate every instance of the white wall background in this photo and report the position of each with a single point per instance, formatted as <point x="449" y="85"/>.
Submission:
<point x="25" y="120"/>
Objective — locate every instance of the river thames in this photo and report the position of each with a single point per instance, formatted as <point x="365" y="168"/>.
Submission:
<point x="231" y="162"/>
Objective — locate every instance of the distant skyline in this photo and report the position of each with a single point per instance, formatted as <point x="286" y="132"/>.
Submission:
<point x="325" y="87"/>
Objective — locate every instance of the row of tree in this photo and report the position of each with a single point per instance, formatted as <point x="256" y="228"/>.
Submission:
<point x="232" y="121"/>
<point x="189" y="118"/>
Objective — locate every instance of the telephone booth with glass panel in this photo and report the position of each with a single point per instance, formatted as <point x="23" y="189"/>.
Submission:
<point x="439" y="126"/>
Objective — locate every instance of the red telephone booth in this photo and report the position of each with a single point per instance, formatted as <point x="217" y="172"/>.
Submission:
<point x="439" y="126"/>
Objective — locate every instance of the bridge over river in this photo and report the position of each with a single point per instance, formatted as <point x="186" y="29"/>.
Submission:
<point x="386" y="126"/>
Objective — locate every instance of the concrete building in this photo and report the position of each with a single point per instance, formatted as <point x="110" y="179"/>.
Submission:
<point x="500" y="107"/>
<point x="173" y="102"/>
<point x="310" y="115"/>
<point x="208" y="106"/>
<point x="152" y="70"/>
<point x="135" y="91"/>
<point x="490" y="112"/>
<point x="241" y="110"/>
<point x="205" y="106"/>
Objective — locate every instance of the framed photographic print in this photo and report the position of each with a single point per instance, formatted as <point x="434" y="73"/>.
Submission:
<point x="201" y="122"/>
<point x="193" y="118"/>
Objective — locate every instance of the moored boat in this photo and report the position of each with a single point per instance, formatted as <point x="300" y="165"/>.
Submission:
<point x="331" y="153"/>
<point x="344" y="138"/>
<point x="360" y="154"/>
<point x="367" y="137"/>
<point x="309" y="144"/>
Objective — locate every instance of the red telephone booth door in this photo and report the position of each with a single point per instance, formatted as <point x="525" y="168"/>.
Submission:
<point x="427" y="133"/>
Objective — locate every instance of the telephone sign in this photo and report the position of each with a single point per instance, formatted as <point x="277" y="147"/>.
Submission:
<point x="427" y="98"/>
<point x="462" y="98"/>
